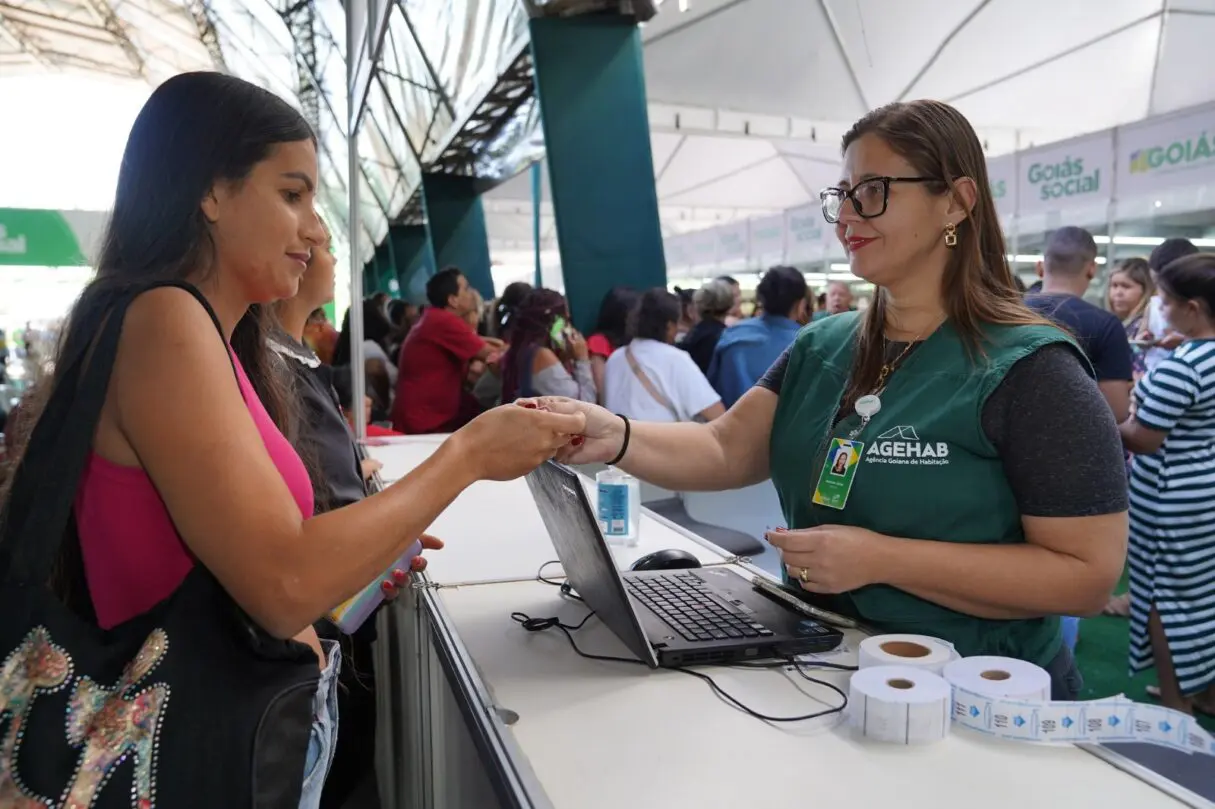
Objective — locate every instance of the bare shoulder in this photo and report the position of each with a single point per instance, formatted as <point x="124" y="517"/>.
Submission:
<point x="170" y="352"/>
<point x="545" y="358"/>
<point x="168" y="313"/>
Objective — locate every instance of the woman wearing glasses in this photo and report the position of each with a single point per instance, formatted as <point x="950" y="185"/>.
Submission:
<point x="956" y="521"/>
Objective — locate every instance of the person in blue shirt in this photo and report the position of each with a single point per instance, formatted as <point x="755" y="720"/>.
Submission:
<point x="746" y="350"/>
<point x="1068" y="266"/>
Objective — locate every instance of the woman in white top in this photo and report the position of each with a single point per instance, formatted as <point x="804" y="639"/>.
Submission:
<point x="652" y="380"/>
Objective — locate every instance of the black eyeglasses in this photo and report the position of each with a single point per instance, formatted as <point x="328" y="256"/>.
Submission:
<point x="869" y="197"/>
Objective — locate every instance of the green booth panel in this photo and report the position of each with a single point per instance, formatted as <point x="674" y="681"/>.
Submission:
<point x="414" y="258"/>
<point x="591" y="85"/>
<point x="456" y="220"/>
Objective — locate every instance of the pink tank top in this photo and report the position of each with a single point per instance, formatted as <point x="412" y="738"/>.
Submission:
<point x="133" y="555"/>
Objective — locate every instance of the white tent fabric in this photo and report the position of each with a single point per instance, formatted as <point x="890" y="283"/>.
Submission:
<point x="139" y="40"/>
<point x="748" y="98"/>
<point x="749" y="129"/>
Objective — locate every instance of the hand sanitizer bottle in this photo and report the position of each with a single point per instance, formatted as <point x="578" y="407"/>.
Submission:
<point x="619" y="506"/>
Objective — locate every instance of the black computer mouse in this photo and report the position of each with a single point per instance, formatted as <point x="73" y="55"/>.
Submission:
<point x="670" y="559"/>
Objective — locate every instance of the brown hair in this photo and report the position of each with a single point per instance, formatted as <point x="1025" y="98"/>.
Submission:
<point x="978" y="286"/>
<point x="1140" y="272"/>
<point x="195" y="130"/>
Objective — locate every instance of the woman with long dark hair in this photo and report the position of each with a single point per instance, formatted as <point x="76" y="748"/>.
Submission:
<point x="958" y="401"/>
<point x="188" y="465"/>
<point x="611" y="330"/>
<point x="506" y="306"/>
<point x="547" y="356"/>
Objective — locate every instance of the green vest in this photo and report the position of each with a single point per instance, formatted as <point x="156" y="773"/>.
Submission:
<point x="928" y="470"/>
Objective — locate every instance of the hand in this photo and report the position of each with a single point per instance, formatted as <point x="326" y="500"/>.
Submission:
<point x="601" y="438"/>
<point x="1171" y="340"/>
<point x="836" y="558"/>
<point x="400" y="578"/>
<point x="369" y="466"/>
<point x="494" y="342"/>
<point x="509" y="441"/>
<point x="577" y="345"/>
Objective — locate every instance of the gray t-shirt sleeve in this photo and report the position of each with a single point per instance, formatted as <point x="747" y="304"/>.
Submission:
<point x="1057" y="438"/>
<point x="774" y="377"/>
<point x="556" y="381"/>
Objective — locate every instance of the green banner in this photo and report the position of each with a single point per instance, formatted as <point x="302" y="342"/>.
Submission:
<point x="41" y="238"/>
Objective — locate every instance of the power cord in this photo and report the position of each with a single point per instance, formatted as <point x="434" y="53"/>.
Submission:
<point x="542" y="624"/>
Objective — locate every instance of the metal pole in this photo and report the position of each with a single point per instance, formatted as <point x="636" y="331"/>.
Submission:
<point x="1111" y="212"/>
<point x="358" y="382"/>
<point x="536" y="218"/>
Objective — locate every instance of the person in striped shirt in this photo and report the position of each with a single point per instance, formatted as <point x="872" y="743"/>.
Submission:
<point x="1172" y="526"/>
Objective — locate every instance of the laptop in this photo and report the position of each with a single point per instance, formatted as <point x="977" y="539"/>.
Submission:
<point x="667" y="618"/>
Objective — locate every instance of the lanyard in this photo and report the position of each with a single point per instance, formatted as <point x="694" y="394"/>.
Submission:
<point x="870" y="405"/>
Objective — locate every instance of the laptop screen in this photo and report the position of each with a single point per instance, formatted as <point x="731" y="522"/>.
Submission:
<point x="584" y="554"/>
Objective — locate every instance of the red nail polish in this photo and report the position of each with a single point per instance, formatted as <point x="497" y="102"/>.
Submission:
<point x="388" y="587"/>
<point x="577" y="440"/>
<point x="399" y="575"/>
<point x="529" y="405"/>
<point x="780" y="530"/>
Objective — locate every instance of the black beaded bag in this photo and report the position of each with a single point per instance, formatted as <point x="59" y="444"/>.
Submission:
<point x="188" y="705"/>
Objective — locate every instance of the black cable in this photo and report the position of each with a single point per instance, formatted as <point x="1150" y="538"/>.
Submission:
<point x="541" y="624"/>
<point x="566" y="590"/>
<point x="540" y="574"/>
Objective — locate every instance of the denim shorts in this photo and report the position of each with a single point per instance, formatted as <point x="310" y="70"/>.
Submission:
<point x="323" y="739"/>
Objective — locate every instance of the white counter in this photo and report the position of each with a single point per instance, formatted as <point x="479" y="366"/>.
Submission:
<point x="601" y="734"/>
<point x="493" y="530"/>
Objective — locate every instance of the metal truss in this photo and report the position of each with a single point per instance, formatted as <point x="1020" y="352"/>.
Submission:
<point x="109" y="20"/>
<point x="413" y="213"/>
<point x="204" y="21"/>
<point x="94" y="36"/>
<point x="18" y="37"/>
<point x="300" y="19"/>
<point x="33" y="32"/>
<point x="642" y="10"/>
<point x="515" y="87"/>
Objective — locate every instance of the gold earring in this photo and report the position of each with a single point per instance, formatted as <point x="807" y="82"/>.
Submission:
<point x="951" y="235"/>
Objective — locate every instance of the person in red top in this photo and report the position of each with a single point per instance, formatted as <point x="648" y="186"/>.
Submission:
<point x="434" y="360"/>
<point x="610" y="331"/>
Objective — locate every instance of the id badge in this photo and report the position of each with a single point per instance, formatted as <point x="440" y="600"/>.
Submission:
<point x="839" y="472"/>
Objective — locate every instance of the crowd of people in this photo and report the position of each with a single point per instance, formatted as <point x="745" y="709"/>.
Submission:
<point x="690" y="356"/>
<point x="686" y="355"/>
<point x="951" y="459"/>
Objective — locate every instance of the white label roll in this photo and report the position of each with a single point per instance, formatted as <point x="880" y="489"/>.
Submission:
<point x="1010" y="699"/>
<point x="899" y="704"/>
<point x="914" y="651"/>
<point x="999" y="678"/>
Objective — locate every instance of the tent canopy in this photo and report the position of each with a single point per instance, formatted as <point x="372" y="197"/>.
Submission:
<point x="740" y="132"/>
<point x="749" y="98"/>
<point x="140" y="40"/>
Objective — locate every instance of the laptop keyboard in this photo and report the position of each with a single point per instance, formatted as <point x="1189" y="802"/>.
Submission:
<point x="683" y="601"/>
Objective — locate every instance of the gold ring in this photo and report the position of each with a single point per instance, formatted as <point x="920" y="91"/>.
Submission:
<point x="804" y="575"/>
